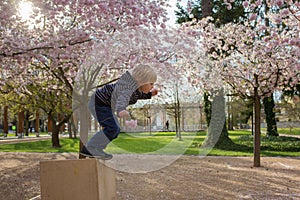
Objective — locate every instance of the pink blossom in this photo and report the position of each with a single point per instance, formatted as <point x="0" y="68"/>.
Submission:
<point x="131" y="123"/>
<point x="263" y="28"/>
<point x="229" y="6"/>
<point x="258" y="3"/>
<point x="294" y="42"/>
<point x="279" y="2"/>
<point x="278" y="20"/>
<point x="163" y="25"/>
<point x="285" y="12"/>
<point x="246" y="4"/>
<point x="253" y="17"/>
<point x="252" y="6"/>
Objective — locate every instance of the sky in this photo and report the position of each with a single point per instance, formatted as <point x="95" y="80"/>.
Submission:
<point x="171" y="12"/>
<point x="26" y="10"/>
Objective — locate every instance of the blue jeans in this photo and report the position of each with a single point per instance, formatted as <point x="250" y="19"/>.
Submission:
<point x="108" y="121"/>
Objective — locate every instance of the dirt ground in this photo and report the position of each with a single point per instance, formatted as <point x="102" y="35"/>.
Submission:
<point x="186" y="177"/>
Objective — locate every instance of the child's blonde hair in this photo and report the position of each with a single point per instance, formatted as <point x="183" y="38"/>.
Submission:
<point x="144" y="74"/>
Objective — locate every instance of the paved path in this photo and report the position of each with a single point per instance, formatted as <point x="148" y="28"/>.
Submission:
<point x="14" y="140"/>
<point x="286" y="135"/>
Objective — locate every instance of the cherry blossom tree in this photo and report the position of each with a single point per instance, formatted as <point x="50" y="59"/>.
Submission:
<point x="254" y="61"/>
<point x="61" y="39"/>
<point x="57" y="36"/>
<point x="196" y="12"/>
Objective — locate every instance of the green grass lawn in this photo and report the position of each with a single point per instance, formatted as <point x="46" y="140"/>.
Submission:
<point x="168" y="143"/>
<point x="68" y="145"/>
<point x="270" y="146"/>
<point x="290" y="131"/>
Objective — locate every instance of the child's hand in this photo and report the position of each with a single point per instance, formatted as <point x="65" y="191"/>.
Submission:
<point x="124" y="114"/>
<point x="154" y="92"/>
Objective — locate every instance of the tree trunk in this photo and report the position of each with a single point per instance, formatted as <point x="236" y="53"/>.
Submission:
<point x="176" y="121"/>
<point x="37" y="123"/>
<point x="5" y="121"/>
<point x="74" y="124"/>
<point x="270" y="116"/>
<point x="229" y="114"/>
<point x="178" y="114"/>
<point x="26" y="123"/>
<point x="150" y="125"/>
<point x="217" y="134"/>
<point x="207" y="6"/>
<point x="257" y="124"/>
<point x="84" y="127"/>
<point x="55" y="135"/>
<point x="178" y="131"/>
<point x="20" y="128"/>
<point x="207" y="108"/>
<point x="49" y="124"/>
<point x="182" y="117"/>
<point x="56" y="128"/>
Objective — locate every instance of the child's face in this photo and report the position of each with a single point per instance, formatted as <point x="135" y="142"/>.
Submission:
<point x="146" y="87"/>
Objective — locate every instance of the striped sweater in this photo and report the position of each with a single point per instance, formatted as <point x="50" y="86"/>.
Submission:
<point x="120" y="94"/>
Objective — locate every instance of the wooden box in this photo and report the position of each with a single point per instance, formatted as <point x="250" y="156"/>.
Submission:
<point x="77" y="180"/>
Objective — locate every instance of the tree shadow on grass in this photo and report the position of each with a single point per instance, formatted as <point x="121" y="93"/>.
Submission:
<point x="268" y="143"/>
<point x="231" y="146"/>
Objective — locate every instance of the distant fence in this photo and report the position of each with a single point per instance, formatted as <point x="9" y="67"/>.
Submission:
<point x="162" y="128"/>
<point x="284" y="125"/>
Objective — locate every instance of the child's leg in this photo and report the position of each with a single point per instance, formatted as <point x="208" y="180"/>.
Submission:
<point x="99" y="141"/>
<point x="110" y="128"/>
<point x="94" y="147"/>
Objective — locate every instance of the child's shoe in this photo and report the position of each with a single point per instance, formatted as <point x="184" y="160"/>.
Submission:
<point x="95" y="153"/>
